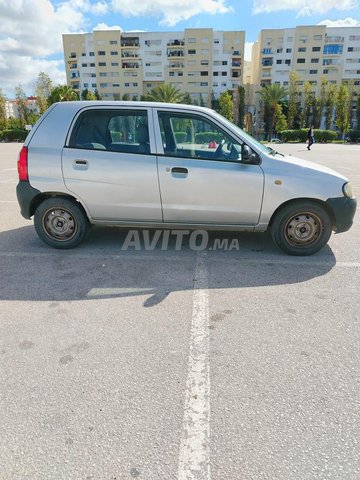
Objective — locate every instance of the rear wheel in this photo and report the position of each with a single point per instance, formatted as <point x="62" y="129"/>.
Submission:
<point x="60" y="223"/>
<point x="301" y="228"/>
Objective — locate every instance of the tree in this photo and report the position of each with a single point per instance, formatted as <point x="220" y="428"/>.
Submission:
<point x="306" y="117"/>
<point x="187" y="99"/>
<point x="280" y="119"/>
<point x="225" y="106"/>
<point x="21" y="103"/>
<point x="87" y="95"/>
<point x="43" y="87"/>
<point x="2" y="111"/>
<point x="241" y="106"/>
<point x="330" y="104"/>
<point x="272" y="95"/>
<point x="165" y="93"/>
<point x="342" y="118"/>
<point x="293" y="103"/>
<point x="62" y="93"/>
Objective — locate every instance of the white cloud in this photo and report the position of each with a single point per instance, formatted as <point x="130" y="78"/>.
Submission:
<point x="31" y="31"/>
<point x="169" y="11"/>
<point x="103" y="26"/>
<point x="345" y="22"/>
<point x="303" y="7"/>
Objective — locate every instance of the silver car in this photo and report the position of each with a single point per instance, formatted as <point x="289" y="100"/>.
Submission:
<point x="156" y="165"/>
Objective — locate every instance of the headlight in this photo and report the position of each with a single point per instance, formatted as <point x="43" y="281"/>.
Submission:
<point x="347" y="190"/>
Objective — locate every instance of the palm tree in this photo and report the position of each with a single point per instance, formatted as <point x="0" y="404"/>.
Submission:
<point x="62" y="93"/>
<point x="165" y="93"/>
<point x="272" y="95"/>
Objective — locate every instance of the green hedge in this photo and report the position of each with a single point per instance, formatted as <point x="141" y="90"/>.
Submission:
<point x="206" y="137"/>
<point x="322" y="136"/>
<point x="14" y="135"/>
<point x="353" y="135"/>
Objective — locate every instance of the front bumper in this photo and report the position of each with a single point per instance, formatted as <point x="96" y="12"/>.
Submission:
<point x="343" y="210"/>
<point x="25" y="194"/>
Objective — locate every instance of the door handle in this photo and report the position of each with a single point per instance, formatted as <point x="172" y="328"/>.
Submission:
<point x="179" y="170"/>
<point x="80" y="164"/>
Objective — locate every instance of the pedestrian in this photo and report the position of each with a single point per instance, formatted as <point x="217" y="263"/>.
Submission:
<point x="310" y="137"/>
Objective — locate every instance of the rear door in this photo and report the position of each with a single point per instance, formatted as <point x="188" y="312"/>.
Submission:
<point x="108" y="164"/>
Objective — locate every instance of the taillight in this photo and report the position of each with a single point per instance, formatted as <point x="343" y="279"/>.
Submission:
<point x="23" y="164"/>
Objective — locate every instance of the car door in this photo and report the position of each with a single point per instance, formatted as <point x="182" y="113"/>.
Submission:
<point x="202" y="179"/>
<point x="108" y="164"/>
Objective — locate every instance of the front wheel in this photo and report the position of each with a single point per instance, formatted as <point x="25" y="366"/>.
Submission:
<point x="301" y="228"/>
<point x="60" y="223"/>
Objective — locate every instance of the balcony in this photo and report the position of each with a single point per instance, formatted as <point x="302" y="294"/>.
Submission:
<point x="236" y="53"/>
<point x="129" y="65"/>
<point x="176" y="65"/>
<point x="130" y="42"/>
<point x="236" y="64"/>
<point x="267" y="63"/>
<point x="176" y="43"/>
<point x="235" y="74"/>
<point x="129" y="55"/>
<point x="175" y="53"/>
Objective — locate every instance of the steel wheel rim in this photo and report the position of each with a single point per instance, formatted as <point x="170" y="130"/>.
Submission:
<point x="303" y="229"/>
<point x="60" y="224"/>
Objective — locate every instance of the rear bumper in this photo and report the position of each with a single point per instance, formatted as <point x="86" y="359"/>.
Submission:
<point x="25" y="194"/>
<point x="343" y="212"/>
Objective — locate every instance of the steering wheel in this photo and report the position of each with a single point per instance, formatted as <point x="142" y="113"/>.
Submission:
<point x="218" y="152"/>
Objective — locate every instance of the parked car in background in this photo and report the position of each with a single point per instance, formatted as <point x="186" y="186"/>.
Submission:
<point x="156" y="165"/>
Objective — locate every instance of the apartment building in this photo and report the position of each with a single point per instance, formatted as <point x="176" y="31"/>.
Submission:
<point x="12" y="109"/>
<point x="197" y="61"/>
<point x="311" y="51"/>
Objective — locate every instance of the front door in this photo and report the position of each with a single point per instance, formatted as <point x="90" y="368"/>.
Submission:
<point x="202" y="179"/>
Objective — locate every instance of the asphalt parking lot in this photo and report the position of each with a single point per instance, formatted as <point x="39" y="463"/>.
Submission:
<point x="176" y="364"/>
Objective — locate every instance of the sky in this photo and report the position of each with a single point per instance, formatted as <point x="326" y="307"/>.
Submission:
<point x="31" y="30"/>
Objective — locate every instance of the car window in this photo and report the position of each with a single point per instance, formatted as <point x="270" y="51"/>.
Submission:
<point x="113" y="130"/>
<point x="193" y="136"/>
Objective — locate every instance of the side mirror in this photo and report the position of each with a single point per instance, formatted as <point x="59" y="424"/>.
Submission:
<point x="247" y="155"/>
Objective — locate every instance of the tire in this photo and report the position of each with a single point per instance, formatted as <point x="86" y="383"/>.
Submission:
<point x="60" y="223"/>
<point x="301" y="228"/>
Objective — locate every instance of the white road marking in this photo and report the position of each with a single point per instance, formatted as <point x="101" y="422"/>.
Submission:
<point x="194" y="455"/>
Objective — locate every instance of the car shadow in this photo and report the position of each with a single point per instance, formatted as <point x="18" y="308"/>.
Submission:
<point x="99" y="268"/>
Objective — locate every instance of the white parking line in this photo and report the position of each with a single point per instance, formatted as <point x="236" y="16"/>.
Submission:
<point x="194" y="455"/>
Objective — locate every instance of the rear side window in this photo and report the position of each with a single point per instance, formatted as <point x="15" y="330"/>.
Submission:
<point x="113" y="130"/>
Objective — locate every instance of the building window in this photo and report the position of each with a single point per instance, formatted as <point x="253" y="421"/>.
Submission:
<point x="102" y="74"/>
<point x="317" y="37"/>
<point x="279" y="50"/>
<point x="191" y="40"/>
<point x="101" y="52"/>
<point x="350" y="49"/>
<point x="288" y="50"/>
<point x="287" y="62"/>
<point x="316" y="49"/>
<point x="224" y="62"/>
<point x="127" y="84"/>
<point x="91" y="54"/>
<point x="171" y="74"/>
<point x="86" y="85"/>
<point x="300" y="60"/>
<point x="204" y="84"/>
<point x="114" y="64"/>
<point x="223" y="84"/>
<point x="114" y="53"/>
<point x="116" y="84"/>
<point x="103" y="85"/>
<point x="278" y="62"/>
<point x="313" y="72"/>
<point x="314" y="60"/>
<point x="84" y="64"/>
<point x="223" y="74"/>
<point x="302" y="49"/>
<point x="333" y="49"/>
<point x="93" y="85"/>
<point x="192" y="52"/>
<point x="204" y="74"/>
<point x="216" y="41"/>
<point x="216" y="74"/>
<point x="204" y="62"/>
<point x="113" y="42"/>
<point x="102" y="64"/>
<point x="204" y="52"/>
<point x="92" y="64"/>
